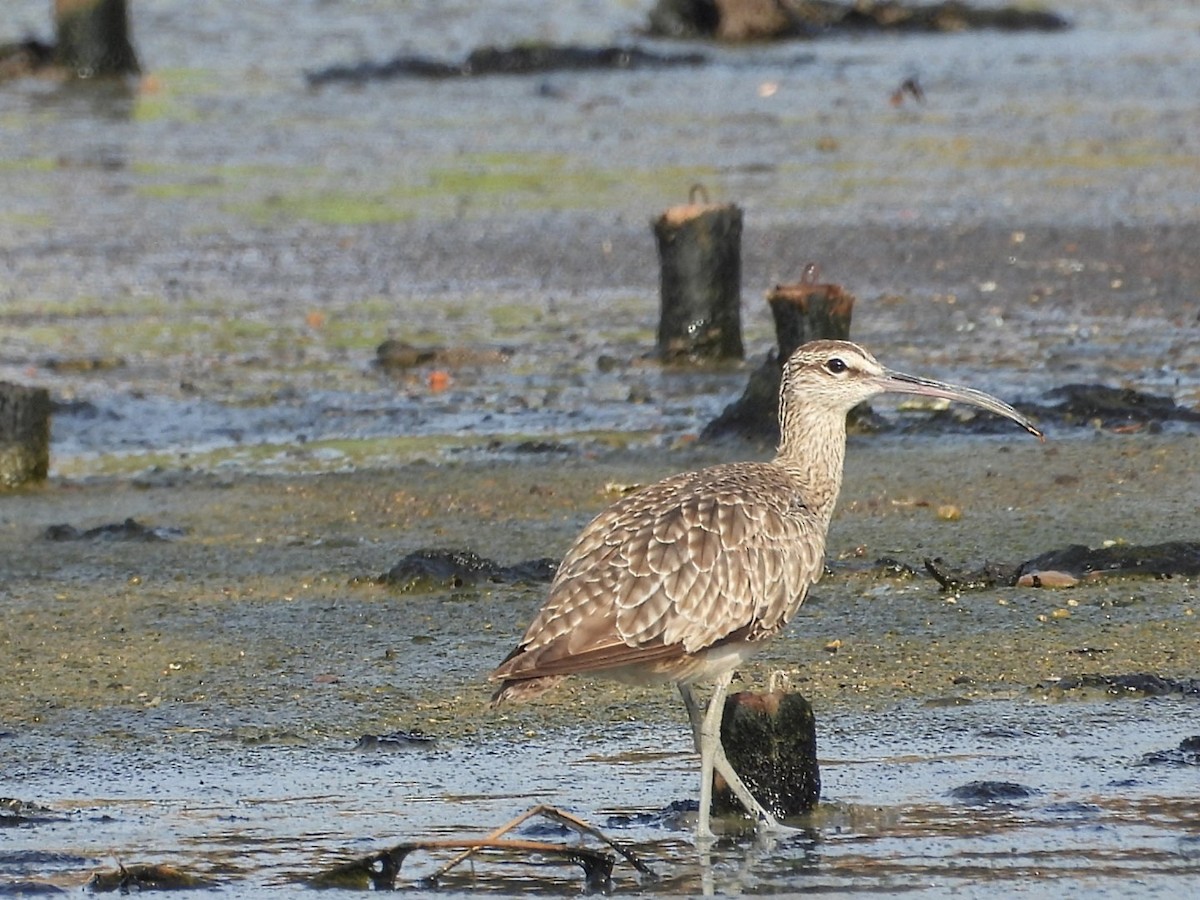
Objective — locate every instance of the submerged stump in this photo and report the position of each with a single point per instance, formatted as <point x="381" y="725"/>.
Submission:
<point x="24" y="434"/>
<point x="700" y="260"/>
<point x="803" y="311"/>
<point x="771" y="741"/>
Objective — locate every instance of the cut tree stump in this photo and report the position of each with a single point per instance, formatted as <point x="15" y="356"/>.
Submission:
<point x="700" y="260"/>
<point x="804" y="311"/>
<point x="771" y="741"/>
<point x="93" y="38"/>
<point x="24" y="434"/>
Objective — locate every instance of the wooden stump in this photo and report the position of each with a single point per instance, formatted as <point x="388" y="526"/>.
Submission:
<point x="804" y="311"/>
<point x="24" y="434"/>
<point x="93" y="38"/>
<point x="700" y="260"/>
<point x="809" y="312"/>
<point x="771" y="741"/>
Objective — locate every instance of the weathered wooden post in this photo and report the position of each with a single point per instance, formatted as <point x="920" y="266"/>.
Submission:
<point x="804" y="311"/>
<point x="700" y="260"/>
<point x="24" y="434"/>
<point x="771" y="742"/>
<point x="93" y="38"/>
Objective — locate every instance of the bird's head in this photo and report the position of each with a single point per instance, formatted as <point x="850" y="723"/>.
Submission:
<point x="836" y="376"/>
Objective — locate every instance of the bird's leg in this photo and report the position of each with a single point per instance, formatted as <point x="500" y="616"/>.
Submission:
<point x="706" y="730"/>
<point x="695" y="713"/>
<point x="710" y="735"/>
<point x="696" y="716"/>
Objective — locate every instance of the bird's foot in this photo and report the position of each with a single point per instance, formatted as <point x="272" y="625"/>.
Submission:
<point x="768" y="824"/>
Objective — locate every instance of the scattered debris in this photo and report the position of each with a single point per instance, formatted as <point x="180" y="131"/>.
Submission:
<point x="146" y="878"/>
<point x="911" y="87"/>
<point x="1140" y="684"/>
<point x="533" y="59"/>
<point x="380" y="870"/>
<point x="957" y="580"/>
<point x="83" y="364"/>
<point x="436" y="569"/>
<point x="129" y="530"/>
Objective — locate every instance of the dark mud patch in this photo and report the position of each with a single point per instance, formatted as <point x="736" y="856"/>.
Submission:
<point x="393" y="742"/>
<point x="527" y="60"/>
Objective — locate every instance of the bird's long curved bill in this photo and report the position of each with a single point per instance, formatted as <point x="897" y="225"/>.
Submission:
<point x="899" y="383"/>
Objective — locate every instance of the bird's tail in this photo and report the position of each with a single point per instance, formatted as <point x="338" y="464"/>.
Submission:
<point x="518" y="690"/>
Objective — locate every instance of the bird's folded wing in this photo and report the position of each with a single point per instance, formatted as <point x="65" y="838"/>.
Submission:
<point x="672" y="571"/>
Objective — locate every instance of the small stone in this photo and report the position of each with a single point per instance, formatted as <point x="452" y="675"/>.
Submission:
<point x="948" y="512"/>
<point x="1050" y="579"/>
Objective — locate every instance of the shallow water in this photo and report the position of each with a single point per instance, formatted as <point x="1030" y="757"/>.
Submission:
<point x="201" y="271"/>
<point x="255" y="816"/>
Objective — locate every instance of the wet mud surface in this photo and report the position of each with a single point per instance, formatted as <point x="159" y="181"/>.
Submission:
<point x="201" y="271"/>
<point x="200" y="701"/>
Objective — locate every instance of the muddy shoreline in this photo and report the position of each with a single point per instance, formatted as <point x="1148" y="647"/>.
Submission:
<point x="222" y="620"/>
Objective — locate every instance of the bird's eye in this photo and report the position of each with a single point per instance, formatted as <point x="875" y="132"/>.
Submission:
<point x="836" y="366"/>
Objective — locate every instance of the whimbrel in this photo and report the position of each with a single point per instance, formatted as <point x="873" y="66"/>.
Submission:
<point x="682" y="580"/>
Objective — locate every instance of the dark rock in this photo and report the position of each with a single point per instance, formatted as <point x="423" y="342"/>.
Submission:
<point x="670" y="816"/>
<point x="436" y="569"/>
<point x="992" y="792"/>
<point x="1153" y="560"/>
<point x="129" y="530"/>
<point x="1139" y="684"/>
<point x="394" y="354"/>
<point x="1084" y="404"/>
<point x="1186" y="754"/>
<point x="524" y="60"/>
<point x="746" y="20"/>
<point x="1160" y="560"/>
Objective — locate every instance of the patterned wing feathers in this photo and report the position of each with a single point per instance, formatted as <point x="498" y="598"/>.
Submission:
<point x="673" y="569"/>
